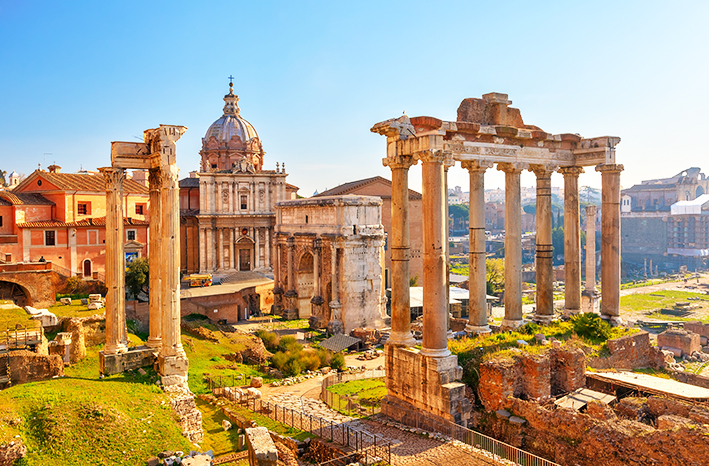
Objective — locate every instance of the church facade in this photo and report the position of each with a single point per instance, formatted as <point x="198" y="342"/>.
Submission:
<point x="228" y="207"/>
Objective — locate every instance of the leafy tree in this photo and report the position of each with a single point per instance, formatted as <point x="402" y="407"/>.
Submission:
<point x="458" y="211"/>
<point x="3" y="180"/>
<point x="414" y="281"/>
<point x="495" y="275"/>
<point x="530" y="209"/>
<point x="137" y="276"/>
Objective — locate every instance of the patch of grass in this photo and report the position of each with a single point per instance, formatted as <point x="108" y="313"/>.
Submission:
<point x="658" y="299"/>
<point x="11" y="317"/>
<point x="280" y="323"/>
<point x="654" y="372"/>
<point x="218" y="440"/>
<point x="270" y="424"/>
<point x="365" y="389"/>
<point x="75" y="309"/>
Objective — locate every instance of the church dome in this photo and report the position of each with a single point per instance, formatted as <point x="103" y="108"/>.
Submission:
<point x="231" y="124"/>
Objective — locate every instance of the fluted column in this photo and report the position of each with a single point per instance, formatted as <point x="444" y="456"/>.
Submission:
<point x="220" y="248"/>
<point x="154" y="262"/>
<point x="268" y="247"/>
<point x="317" y="246"/>
<point x="231" y="249"/>
<point x="610" y="241"/>
<point x="513" y="245"/>
<point x="477" y="274"/>
<point x="435" y="307"/>
<point x="591" y="249"/>
<point x="257" y="250"/>
<point x="170" y="299"/>
<point x="545" y="251"/>
<point x="202" y="250"/>
<point x="210" y="249"/>
<point x="572" y="240"/>
<point x="400" y="246"/>
<point x="116" y="334"/>
<point x="220" y="199"/>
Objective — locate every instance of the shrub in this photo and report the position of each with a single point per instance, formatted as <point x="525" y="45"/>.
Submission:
<point x="279" y="361"/>
<point x="591" y="326"/>
<point x="270" y="339"/>
<point x="293" y="367"/>
<point x="530" y="328"/>
<point x="338" y="361"/>
<point x="289" y="343"/>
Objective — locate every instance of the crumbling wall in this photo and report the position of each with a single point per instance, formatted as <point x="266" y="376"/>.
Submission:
<point x="27" y="366"/>
<point x="568" y="370"/>
<point x="85" y="332"/>
<point x="182" y="402"/>
<point x="630" y="352"/>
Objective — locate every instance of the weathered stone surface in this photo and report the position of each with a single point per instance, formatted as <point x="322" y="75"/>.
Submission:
<point x="498" y="381"/>
<point x="633" y="408"/>
<point x="687" y="342"/>
<point x="226" y="425"/>
<point x="85" y="332"/>
<point x="135" y="358"/>
<point x="630" y="352"/>
<point x="257" y="382"/>
<point x="27" y="366"/>
<point x="600" y="411"/>
<point x="568" y="369"/>
<point x="536" y="376"/>
<point x="65" y="301"/>
<point x="182" y="403"/>
<point x="10" y="453"/>
<point x="671" y="421"/>
<point x="697" y="327"/>
<point x="262" y="450"/>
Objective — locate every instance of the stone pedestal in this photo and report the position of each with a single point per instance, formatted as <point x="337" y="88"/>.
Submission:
<point x="141" y="356"/>
<point x="590" y="301"/>
<point x="427" y="384"/>
<point x="317" y="320"/>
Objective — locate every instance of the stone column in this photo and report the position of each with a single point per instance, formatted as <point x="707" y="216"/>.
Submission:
<point x="545" y="252"/>
<point x="269" y="208"/>
<point x="335" y="325"/>
<point x="317" y="320"/>
<point x="220" y="199"/>
<point x="202" y="197"/>
<point x="610" y="241"/>
<point x="435" y="307"/>
<point x="210" y="197"/>
<point x="477" y="278"/>
<point x="231" y="249"/>
<point x="572" y="240"/>
<point x="268" y="247"/>
<point x="230" y="187"/>
<point x="220" y="248"/>
<point x="154" y="262"/>
<point x="591" y="248"/>
<point x="513" y="245"/>
<point x="172" y="360"/>
<point x="257" y="249"/>
<point x="116" y="334"/>
<point x="291" y="294"/>
<point x="210" y="249"/>
<point x="202" y="250"/>
<point x="400" y="246"/>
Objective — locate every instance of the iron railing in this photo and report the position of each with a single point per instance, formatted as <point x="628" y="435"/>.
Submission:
<point x="350" y="405"/>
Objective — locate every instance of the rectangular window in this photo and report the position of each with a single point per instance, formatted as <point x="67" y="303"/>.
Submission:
<point x="0" y="220"/>
<point x="139" y="209"/>
<point x="84" y="208"/>
<point x="244" y="203"/>
<point x="49" y="238"/>
<point x="92" y="237"/>
<point x="130" y="234"/>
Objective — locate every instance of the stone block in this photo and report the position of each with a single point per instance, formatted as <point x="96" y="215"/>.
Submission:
<point x="95" y="298"/>
<point x="687" y="342"/>
<point x="226" y="425"/>
<point x="262" y="450"/>
<point x="257" y="382"/>
<point x="135" y="358"/>
<point x="152" y="461"/>
<point x="65" y="301"/>
<point x="517" y="420"/>
<point x="671" y="421"/>
<point x="95" y="306"/>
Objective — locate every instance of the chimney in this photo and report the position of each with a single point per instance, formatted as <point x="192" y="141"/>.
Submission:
<point x="54" y="168"/>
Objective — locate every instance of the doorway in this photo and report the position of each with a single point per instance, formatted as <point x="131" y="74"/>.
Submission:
<point x="87" y="268"/>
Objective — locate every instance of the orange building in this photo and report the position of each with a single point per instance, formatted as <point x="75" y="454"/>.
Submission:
<point x="61" y="217"/>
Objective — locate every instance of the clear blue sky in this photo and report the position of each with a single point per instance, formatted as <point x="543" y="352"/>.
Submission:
<point x="313" y="77"/>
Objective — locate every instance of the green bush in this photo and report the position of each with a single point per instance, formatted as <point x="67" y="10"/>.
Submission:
<point x="289" y="343"/>
<point x="591" y="326"/>
<point x="530" y="328"/>
<point x="270" y="339"/>
<point x="293" y="367"/>
<point x="338" y="361"/>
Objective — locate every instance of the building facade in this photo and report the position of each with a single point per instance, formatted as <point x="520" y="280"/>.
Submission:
<point x="228" y="208"/>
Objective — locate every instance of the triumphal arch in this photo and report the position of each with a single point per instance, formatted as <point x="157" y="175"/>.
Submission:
<point x="488" y="133"/>
<point x="157" y="155"/>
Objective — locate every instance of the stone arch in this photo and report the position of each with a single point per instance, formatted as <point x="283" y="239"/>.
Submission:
<point x="700" y="191"/>
<point x="15" y="292"/>
<point x="305" y="284"/>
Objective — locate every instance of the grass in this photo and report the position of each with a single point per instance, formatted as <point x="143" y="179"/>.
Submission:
<point x="280" y="323"/>
<point x="655" y="300"/>
<point x="75" y="309"/>
<point x="218" y="440"/>
<point x="11" y="317"/>
<point x="365" y="389"/>
<point x="270" y="424"/>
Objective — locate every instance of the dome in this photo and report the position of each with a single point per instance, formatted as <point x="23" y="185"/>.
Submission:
<point x="231" y="124"/>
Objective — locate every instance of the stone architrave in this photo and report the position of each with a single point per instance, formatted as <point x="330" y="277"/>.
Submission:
<point x="155" y="262"/>
<point x="572" y="240"/>
<point x="610" y="241"/>
<point x="435" y="306"/>
<point x="513" y="244"/>
<point x="400" y="248"/>
<point x="545" y="252"/>
<point x="116" y="333"/>
<point x="477" y="286"/>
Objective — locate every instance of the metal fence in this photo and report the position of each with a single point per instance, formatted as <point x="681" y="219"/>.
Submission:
<point x="223" y="381"/>
<point x="350" y="405"/>
<point x="467" y="436"/>
<point x="378" y="448"/>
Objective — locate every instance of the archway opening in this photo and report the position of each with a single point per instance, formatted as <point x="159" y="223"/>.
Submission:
<point x="305" y="285"/>
<point x="87" y="268"/>
<point x="18" y="294"/>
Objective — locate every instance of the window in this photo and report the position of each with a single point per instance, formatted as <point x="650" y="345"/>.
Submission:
<point x="49" y="238"/>
<point x="130" y="234"/>
<point x="244" y="203"/>
<point x="0" y="220"/>
<point x="92" y="237"/>
<point x="84" y="208"/>
<point x="139" y="209"/>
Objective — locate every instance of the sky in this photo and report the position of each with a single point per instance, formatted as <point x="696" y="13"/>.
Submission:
<point x="314" y="77"/>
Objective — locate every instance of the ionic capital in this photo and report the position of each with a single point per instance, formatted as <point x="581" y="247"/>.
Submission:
<point x="609" y="168"/>
<point x="433" y="156"/>
<point x="114" y="178"/>
<point x="512" y="167"/>
<point x="571" y="171"/>
<point x="542" y="171"/>
<point x="399" y="162"/>
<point x="476" y="165"/>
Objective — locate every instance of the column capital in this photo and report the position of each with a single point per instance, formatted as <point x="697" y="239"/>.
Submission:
<point x="591" y="209"/>
<point x="434" y="156"/>
<point x="476" y="165"/>
<point x="571" y="171"/>
<point x="154" y="180"/>
<point x="399" y="162"/>
<point x="170" y="176"/>
<point x="512" y="167"/>
<point x="114" y="177"/>
<point x="290" y="242"/>
<point x="609" y="167"/>
<point x="542" y="170"/>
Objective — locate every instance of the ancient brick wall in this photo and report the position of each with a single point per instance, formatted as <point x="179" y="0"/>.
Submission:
<point x="27" y="366"/>
<point x="697" y="327"/>
<point x="630" y="352"/>
<point x="687" y="342"/>
<point x="568" y="370"/>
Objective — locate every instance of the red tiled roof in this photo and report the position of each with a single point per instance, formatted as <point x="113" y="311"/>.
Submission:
<point x="25" y="198"/>
<point x="84" y="182"/>
<point x="348" y="188"/>
<point x="88" y="222"/>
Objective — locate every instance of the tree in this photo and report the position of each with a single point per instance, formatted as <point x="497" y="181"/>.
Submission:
<point x="137" y="276"/>
<point x="458" y="211"/>
<point x="3" y="180"/>
<point x="495" y="275"/>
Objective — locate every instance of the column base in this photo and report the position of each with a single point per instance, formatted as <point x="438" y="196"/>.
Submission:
<point x="478" y="329"/>
<point x="402" y="339"/>
<point x="173" y="369"/>
<point x="120" y="348"/>
<point x="435" y="353"/>
<point x="509" y="324"/>
<point x="110" y="364"/>
<point x="154" y="344"/>
<point x="615" y="321"/>
<point x="571" y="312"/>
<point x="543" y="319"/>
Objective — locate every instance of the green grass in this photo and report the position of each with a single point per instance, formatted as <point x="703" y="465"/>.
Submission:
<point x="75" y="309"/>
<point x="644" y="283"/>
<point x="365" y="389"/>
<point x="270" y="424"/>
<point x="11" y="317"/>
<point x="218" y="440"/>
<point x="280" y="323"/>
<point x="656" y="300"/>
